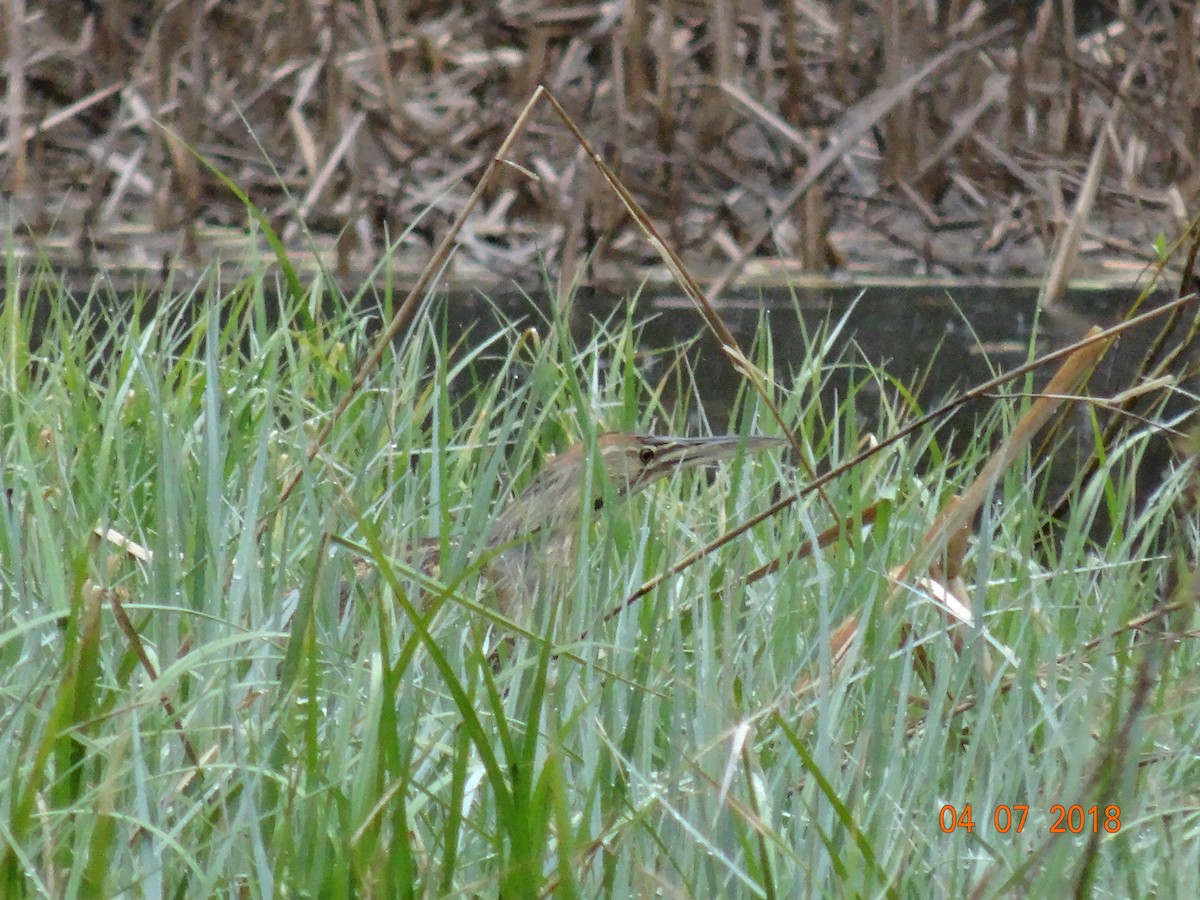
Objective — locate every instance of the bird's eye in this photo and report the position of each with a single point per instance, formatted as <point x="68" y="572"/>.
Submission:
<point x="646" y="455"/>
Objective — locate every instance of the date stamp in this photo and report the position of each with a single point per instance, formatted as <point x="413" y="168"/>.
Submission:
<point x="1006" y="818"/>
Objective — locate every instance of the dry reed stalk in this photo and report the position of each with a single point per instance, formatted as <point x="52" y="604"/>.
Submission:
<point x="1082" y="347"/>
<point x="405" y="311"/>
<point x="432" y="85"/>
<point x="14" y="48"/>
<point x="1067" y="251"/>
<point x="853" y="126"/>
<point x="960" y="510"/>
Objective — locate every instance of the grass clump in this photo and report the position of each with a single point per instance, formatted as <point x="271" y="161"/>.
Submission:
<point x="237" y="710"/>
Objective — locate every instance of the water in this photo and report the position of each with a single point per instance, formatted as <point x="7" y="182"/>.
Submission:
<point x="936" y="341"/>
<point x="942" y="340"/>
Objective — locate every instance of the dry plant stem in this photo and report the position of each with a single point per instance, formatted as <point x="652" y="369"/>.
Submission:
<point x="673" y="261"/>
<point x="962" y="509"/>
<point x="856" y="122"/>
<point x="1139" y="624"/>
<point x="827" y="537"/>
<point x="974" y="393"/>
<point x="1182" y="590"/>
<point x="1157" y="362"/>
<point x="1113" y="760"/>
<point x="137" y="552"/>
<point x="66" y="114"/>
<point x="382" y="65"/>
<point x="947" y="536"/>
<point x="16" y="94"/>
<point x="135" y="643"/>
<point x="408" y="307"/>
<point x="770" y="119"/>
<point x="1153" y="366"/>
<point x="824" y="539"/>
<point x="1067" y="252"/>
<point x="959" y="509"/>
<point x="964" y="124"/>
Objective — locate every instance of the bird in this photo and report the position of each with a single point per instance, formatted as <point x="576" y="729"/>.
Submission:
<point x="532" y="540"/>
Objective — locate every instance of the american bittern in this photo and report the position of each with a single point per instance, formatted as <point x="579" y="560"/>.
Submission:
<point x="533" y="536"/>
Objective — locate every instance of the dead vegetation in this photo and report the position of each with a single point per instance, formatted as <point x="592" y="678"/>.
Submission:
<point x="889" y="136"/>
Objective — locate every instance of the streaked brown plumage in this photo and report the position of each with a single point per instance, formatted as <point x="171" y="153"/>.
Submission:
<point x="533" y="537"/>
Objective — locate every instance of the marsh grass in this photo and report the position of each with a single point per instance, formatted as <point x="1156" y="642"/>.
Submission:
<point x="268" y="724"/>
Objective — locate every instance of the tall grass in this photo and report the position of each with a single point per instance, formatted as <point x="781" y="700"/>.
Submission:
<point x="235" y="716"/>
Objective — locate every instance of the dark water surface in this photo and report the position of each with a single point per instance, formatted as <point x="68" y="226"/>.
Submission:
<point x="936" y="342"/>
<point x="942" y="339"/>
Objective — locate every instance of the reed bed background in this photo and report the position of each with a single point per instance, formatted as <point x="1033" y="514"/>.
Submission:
<point x="890" y="136"/>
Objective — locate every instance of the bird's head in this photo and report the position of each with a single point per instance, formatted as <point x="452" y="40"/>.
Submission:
<point x="630" y="462"/>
